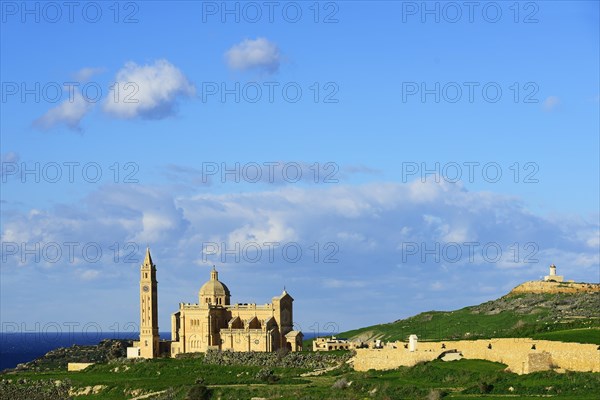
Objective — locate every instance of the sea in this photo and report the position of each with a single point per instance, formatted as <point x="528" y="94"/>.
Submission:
<point x="17" y="348"/>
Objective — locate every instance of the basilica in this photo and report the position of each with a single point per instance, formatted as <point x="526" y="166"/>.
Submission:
<point x="213" y="323"/>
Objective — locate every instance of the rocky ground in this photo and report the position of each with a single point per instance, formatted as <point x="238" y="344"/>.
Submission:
<point x="557" y="306"/>
<point x="313" y="361"/>
<point x="104" y="351"/>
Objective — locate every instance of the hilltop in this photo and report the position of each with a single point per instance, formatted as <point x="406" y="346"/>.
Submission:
<point x="546" y="310"/>
<point x="556" y="287"/>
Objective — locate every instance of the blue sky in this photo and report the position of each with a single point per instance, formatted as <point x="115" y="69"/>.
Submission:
<point x="387" y="91"/>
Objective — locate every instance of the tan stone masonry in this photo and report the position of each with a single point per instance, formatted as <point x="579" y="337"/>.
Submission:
<point x="521" y="355"/>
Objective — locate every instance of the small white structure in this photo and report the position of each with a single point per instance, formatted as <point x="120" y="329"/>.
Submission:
<point x="133" y="352"/>
<point x="553" y="277"/>
<point x="412" y="343"/>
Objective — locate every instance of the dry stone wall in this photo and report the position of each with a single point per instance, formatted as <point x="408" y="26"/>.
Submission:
<point x="521" y="355"/>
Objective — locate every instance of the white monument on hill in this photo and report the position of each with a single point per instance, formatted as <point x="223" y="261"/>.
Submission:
<point x="553" y="277"/>
<point x="412" y="343"/>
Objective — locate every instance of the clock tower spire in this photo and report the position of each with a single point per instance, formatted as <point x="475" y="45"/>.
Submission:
<point x="148" y="309"/>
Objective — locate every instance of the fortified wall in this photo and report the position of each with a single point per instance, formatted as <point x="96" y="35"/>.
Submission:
<point x="521" y="355"/>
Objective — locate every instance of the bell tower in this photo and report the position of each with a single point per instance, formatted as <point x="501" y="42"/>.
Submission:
<point x="148" y="309"/>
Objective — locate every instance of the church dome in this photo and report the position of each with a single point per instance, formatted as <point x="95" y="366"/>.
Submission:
<point x="214" y="291"/>
<point x="214" y="288"/>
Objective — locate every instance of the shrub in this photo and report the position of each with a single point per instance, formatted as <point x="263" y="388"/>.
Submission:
<point x="282" y="352"/>
<point x="341" y="384"/>
<point x="435" y="394"/>
<point x="485" y="387"/>
<point x="199" y="392"/>
<point x="266" y="375"/>
<point x="25" y="389"/>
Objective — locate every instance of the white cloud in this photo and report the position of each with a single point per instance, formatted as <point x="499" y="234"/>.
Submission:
<point x="551" y="103"/>
<point x="9" y="157"/>
<point x="148" y="91"/>
<point x="259" y="54"/>
<point x="594" y="240"/>
<point x="271" y="229"/>
<point x="369" y="223"/>
<point x="339" y="283"/>
<point x="89" y="275"/>
<point x="84" y="74"/>
<point x="68" y="113"/>
<point x="9" y="162"/>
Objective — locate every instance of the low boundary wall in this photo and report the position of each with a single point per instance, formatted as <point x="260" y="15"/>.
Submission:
<point x="521" y="355"/>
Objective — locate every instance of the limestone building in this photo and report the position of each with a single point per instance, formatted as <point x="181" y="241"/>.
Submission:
<point x="214" y="323"/>
<point x="332" y="343"/>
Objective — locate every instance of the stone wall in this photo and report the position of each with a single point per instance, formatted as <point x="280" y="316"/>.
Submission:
<point x="387" y="358"/>
<point x="555" y="287"/>
<point x="73" y="367"/>
<point x="541" y="361"/>
<point x="517" y="353"/>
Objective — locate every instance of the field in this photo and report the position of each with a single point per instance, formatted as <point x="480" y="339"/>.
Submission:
<point x="464" y="379"/>
<point x="569" y="317"/>
<point x="581" y="335"/>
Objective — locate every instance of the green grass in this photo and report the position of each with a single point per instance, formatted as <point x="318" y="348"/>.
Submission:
<point x="161" y="374"/>
<point x="459" y="379"/>
<point x="499" y="318"/>
<point x="461" y="324"/>
<point x="582" y="335"/>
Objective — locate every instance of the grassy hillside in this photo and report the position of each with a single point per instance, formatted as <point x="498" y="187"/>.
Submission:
<point x="582" y="335"/>
<point x="175" y="378"/>
<point x="571" y="317"/>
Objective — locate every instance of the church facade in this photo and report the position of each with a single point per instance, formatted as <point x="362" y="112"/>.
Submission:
<point x="213" y="323"/>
